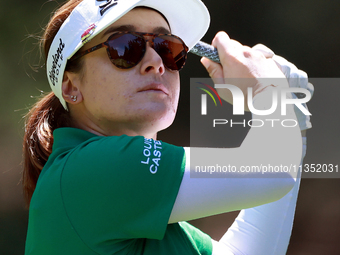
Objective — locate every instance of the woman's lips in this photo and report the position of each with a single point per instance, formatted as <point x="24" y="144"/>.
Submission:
<point x="154" y="87"/>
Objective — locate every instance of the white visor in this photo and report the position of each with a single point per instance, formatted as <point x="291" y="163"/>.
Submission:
<point x="188" y="19"/>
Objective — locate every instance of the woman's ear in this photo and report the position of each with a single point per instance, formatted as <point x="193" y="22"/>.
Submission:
<point x="71" y="88"/>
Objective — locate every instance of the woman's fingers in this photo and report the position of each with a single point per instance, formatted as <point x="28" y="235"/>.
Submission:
<point x="242" y="66"/>
<point x="267" y="53"/>
<point x="237" y="60"/>
<point x="214" y="69"/>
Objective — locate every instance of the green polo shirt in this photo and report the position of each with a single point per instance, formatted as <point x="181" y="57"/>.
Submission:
<point x="110" y="195"/>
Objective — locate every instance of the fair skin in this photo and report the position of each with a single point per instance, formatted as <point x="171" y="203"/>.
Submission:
<point x="111" y="101"/>
<point x="147" y="101"/>
<point x="143" y="100"/>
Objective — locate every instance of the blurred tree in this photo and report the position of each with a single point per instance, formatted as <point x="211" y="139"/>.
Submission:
<point x="306" y="32"/>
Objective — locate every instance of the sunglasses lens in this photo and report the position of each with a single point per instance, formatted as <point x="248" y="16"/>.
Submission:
<point x="126" y="50"/>
<point x="172" y="51"/>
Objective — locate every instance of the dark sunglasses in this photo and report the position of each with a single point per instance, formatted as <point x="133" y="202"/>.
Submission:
<point x="127" y="49"/>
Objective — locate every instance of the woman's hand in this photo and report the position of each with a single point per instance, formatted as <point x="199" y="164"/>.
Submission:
<point x="241" y="66"/>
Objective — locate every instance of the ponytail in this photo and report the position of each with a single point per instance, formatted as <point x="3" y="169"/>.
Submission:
<point x="46" y="115"/>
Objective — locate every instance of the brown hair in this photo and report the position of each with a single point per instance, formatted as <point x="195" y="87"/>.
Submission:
<point x="47" y="114"/>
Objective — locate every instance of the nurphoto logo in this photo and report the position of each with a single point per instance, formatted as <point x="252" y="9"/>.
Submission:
<point x="239" y="100"/>
<point x="204" y="97"/>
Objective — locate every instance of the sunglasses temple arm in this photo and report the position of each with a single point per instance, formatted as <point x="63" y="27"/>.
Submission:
<point x="83" y="53"/>
<point x="203" y="49"/>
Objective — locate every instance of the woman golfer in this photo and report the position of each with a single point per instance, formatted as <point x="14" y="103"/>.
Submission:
<point x="96" y="178"/>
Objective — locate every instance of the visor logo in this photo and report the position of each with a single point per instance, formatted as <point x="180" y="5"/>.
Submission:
<point x="85" y="37"/>
<point x="54" y="73"/>
<point x="106" y="6"/>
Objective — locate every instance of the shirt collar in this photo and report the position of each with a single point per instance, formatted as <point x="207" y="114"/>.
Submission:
<point x="70" y="137"/>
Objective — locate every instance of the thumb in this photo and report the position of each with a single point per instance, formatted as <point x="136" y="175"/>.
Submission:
<point x="214" y="69"/>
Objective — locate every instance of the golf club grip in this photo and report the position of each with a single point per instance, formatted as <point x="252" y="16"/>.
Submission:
<point x="203" y="49"/>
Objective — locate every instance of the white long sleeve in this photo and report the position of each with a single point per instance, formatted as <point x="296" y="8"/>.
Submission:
<point x="264" y="229"/>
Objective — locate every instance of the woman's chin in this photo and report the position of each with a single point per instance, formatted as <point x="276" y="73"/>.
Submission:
<point x="154" y="125"/>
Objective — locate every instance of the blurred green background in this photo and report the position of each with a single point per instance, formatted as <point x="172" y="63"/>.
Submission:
<point x="306" y="32"/>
